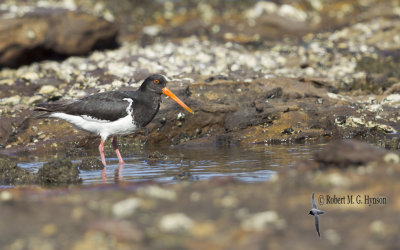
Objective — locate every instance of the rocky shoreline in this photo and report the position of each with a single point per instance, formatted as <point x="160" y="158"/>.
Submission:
<point x="254" y="72"/>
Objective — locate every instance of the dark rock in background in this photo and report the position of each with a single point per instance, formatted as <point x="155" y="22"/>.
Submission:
<point x="52" y="34"/>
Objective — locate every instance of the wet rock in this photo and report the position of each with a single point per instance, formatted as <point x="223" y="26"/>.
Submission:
<point x="11" y="174"/>
<point x="348" y="153"/>
<point x="51" y="34"/>
<point x="91" y="163"/>
<point x="58" y="172"/>
<point x="249" y="117"/>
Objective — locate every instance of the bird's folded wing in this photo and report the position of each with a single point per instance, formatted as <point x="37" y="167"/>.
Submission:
<point x="108" y="106"/>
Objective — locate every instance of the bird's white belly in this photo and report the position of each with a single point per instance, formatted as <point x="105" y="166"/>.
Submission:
<point x="122" y="126"/>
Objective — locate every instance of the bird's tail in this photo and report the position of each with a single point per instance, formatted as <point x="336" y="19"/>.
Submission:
<point x="47" y="108"/>
<point x="320" y="212"/>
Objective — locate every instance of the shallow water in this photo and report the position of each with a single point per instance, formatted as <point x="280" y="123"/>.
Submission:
<point x="254" y="164"/>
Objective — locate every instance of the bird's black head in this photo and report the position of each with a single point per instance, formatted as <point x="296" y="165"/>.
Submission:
<point x="311" y="212"/>
<point x="157" y="84"/>
<point x="154" y="83"/>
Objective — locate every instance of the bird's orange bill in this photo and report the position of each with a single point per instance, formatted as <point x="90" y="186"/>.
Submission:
<point x="168" y="92"/>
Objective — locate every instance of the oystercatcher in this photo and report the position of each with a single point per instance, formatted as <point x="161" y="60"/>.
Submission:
<point x="113" y="113"/>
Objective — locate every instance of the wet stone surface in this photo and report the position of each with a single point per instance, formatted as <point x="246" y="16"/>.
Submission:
<point x="91" y="163"/>
<point x="11" y="174"/>
<point x="60" y="171"/>
<point x="54" y="173"/>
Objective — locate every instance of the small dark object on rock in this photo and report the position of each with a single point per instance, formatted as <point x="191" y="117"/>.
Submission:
<point x="224" y="140"/>
<point x="216" y="77"/>
<point x="59" y="171"/>
<point x="158" y="156"/>
<point x="341" y="119"/>
<point x="288" y="131"/>
<point x="91" y="163"/>
<point x="185" y="176"/>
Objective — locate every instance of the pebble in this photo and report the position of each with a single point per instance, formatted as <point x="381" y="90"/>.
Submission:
<point x="175" y="223"/>
<point x="12" y="100"/>
<point x="203" y="229"/>
<point x="229" y="201"/>
<point x="180" y="116"/>
<point x="292" y="13"/>
<point x="391" y="158"/>
<point x="6" y="196"/>
<point x="378" y="228"/>
<point x="158" y="192"/>
<point x="392" y="99"/>
<point x="33" y="99"/>
<point x="151" y="30"/>
<point x="260" y="221"/>
<point x="125" y="208"/>
<point x="333" y="237"/>
<point x="47" y="90"/>
<point x="49" y="229"/>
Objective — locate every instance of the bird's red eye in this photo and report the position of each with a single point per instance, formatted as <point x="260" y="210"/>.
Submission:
<point x="156" y="81"/>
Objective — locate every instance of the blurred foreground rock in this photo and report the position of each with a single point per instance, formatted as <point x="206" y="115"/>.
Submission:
<point x="217" y="214"/>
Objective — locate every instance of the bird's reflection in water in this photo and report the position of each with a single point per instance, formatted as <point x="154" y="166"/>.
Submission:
<point x="117" y="174"/>
<point x="185" y="174"/>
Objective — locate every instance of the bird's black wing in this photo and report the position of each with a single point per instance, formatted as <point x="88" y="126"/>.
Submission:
<point x="317" y="225"/>
<point x="103" y="106"/>
<point x="314" y="205"/>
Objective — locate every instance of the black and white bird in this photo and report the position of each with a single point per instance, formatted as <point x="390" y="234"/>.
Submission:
<point x="314" y="211"/>
<point x="113" y="113"/>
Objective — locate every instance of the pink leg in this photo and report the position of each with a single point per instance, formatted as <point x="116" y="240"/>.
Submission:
<point x="115" y="145"/>
<point x="101" y="149"/>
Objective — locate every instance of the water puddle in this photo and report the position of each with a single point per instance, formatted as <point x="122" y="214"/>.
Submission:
<point x="255" y="164"/>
